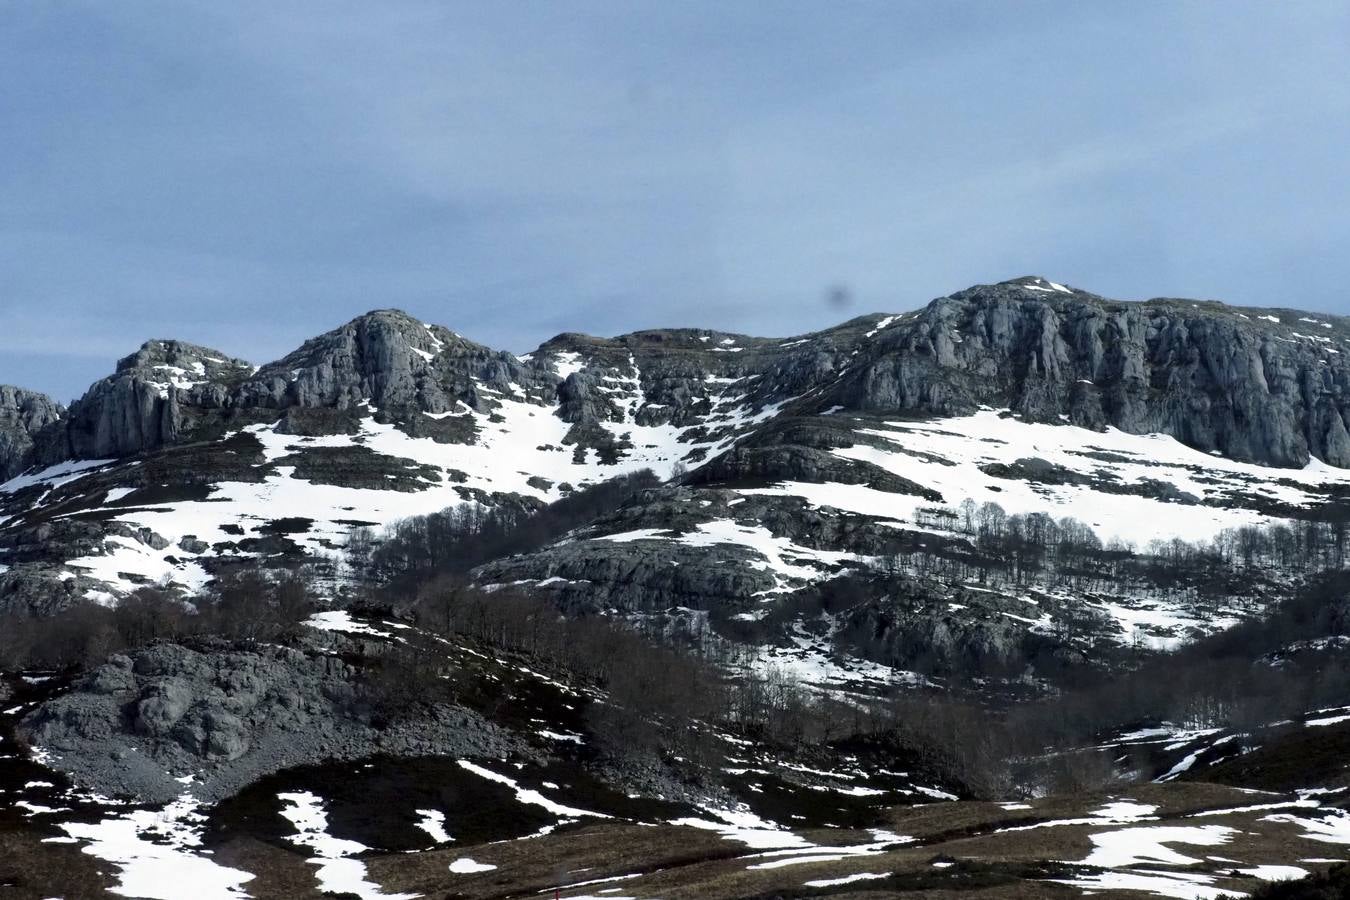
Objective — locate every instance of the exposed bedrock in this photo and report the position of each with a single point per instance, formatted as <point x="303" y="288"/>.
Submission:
<point x="139" y="724"/>
<point x="23" y="416"/>
<point x="1214" y="378"/>
<point x="1252" y="385"/>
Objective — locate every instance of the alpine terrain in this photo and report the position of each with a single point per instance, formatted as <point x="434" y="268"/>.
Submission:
<point x="1026" y="593"/>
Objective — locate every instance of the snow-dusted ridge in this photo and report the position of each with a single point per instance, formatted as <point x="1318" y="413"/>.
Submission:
<point x="519" y="448"/>
<point x="493" y="428"/>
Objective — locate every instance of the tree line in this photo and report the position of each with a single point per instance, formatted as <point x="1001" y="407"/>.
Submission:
<point x="991" y="544"/>
<point x="461" y="537"/>
<point x="243" y="604"/>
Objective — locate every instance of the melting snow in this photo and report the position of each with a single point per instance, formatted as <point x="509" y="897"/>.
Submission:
<point x="789" y="562"/>
<point x="55" y="476"/>
<point x="1048" y="288"/>
<point x="516" y="445"/>
<point x="1182" y="885"/>
<point x="531" y="797"/>
<point x="466" y="866"/>
<point x="1334" y="828"/>
<point x="1125" y="810"/>
<point x="1328" y="720"/>
<point x="881" y="325"/>
<point x="1148" y="844"/>
<point x="338" y="872"/>
<point x="154" y="851"/>
<point x="341" y="620"/>
<point x="846" y="879"/>
<point x="567" y="364"/>
<point x="1275" y="873"/>
<point x="742" y="825"/>
<point x="947" y="455"/>
<point x="432" y="821"/>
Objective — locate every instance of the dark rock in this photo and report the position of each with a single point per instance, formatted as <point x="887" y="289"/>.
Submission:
<point x="230" y="715"/>
<point x="23" y="415"/>
<point x="1211" y="376"/>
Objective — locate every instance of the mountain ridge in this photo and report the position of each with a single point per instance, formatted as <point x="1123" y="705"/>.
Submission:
<point x="185" y="459"/>
<point x="115" y="418"/>
<point x="1022" y="540"/>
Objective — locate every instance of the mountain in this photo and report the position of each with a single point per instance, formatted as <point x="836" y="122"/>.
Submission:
<point x="977" y="597"/>
<point x="796" y="458"/>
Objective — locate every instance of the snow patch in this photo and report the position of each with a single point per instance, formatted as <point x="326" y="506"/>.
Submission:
<point x="337" y="871"/>
<point x="466" y="866"/>
<point x="157" y="852"/>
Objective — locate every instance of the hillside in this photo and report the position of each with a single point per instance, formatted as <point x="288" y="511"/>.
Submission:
<point x="976" y="597"/>
<point x="798" y="458"/>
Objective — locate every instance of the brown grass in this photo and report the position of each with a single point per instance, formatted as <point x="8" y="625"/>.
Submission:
<point x="679" y="863"/>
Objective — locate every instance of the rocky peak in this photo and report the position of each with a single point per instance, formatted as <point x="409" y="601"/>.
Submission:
<point x="1265" y="385"/>
<point x="1252" y="385"/>
<point x="393" y="361"/>
<point x="181" y="365"/>
<point x="1041" y="284"/>
<point x="23" y="415"/>
<point x="147" y="402"/>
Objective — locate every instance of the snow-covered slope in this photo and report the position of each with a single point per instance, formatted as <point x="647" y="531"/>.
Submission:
<point x="1130" y="487"/>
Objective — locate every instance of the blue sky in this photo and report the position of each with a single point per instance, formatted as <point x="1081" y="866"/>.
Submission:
<point x="245" y="175"/>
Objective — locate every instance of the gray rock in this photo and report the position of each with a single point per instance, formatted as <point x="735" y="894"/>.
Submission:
<point x="230" y="715"/>
<point x="23" y="416"/>
<point x="588" y="574"/>
<point x="1211" y="376"/>
<point x="157" y="396"/>
<point x="191" y="544"/>
<point x="161" y="705"/>
<point x="397" y="364"/>
<point x="1217" y="378"/>
<point x="1214" y="377"/>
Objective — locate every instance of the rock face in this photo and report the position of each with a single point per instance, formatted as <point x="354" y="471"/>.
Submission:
<point x="392" y="362"/>
<point x="228" y="716"/>
<point x="633" y="562"/>
<point x="155" y="398"/>
<point x="170" y="392"/>
<point x="1265" y="387"/>
<point x="23" y="416"/>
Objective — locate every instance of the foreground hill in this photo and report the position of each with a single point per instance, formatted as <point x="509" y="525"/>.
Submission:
<point x="453" y="805"/>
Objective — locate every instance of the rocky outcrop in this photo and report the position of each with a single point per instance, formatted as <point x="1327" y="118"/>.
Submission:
<point x="23" y="416"/>
<point x="1269" y="387"/>
<point x="157" y="397"/>
<point x="139" y="725"/>
<point x="798" y="449"/>
<point x="394" y="363"/>
<point x="1265" y="386"/>
<point x="651" y="555"/>
<point x="384" y="363"/>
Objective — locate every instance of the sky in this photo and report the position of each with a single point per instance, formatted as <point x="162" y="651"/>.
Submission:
<point x="245" y="175"/>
